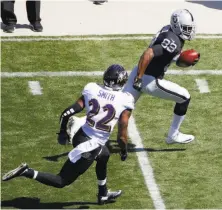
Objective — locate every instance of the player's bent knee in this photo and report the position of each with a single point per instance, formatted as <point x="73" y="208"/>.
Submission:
<point x="181" y="109"/>
<point x="61" y="183"/>
<point x="186" y="94"/>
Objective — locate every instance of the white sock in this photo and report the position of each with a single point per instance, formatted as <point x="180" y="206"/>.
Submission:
<point x="102" y="182"/>
<point x="35" y="174"/>
<point x="175" y="125"/>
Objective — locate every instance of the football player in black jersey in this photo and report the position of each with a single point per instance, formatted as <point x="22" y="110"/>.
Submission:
<point x="148" y="76"/>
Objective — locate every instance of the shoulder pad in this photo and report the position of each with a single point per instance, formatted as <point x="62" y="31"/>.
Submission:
<point x="89" y="88"/>
<point x="172" y="36"/>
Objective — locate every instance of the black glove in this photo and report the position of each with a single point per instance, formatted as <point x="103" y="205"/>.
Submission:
<point x="123" y="155"/>
<point x="137" y="84"/>
<point x="63" y="137"/>
<point x="123" y="149"/>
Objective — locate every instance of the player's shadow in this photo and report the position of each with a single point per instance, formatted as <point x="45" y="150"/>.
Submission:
<point x="114" y="148"/>
<point x="24" y="26"/>
<point x="210" y="4"/>
<point x="55" y="158"/>
<point x="35" y="203"/>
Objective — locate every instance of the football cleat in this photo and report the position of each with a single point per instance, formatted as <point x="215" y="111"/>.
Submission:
<point x="15" y="172"/>
<point x="180" y="138"/>
<point x="109" y="197"/>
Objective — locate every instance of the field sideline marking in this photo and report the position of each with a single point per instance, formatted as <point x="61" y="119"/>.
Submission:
<point x="100" y="73"/>
<point x="35" y="87"/>
<point x="102" y="38"/>
<point x="145" y="166"/>
<point x="202" y="85"/>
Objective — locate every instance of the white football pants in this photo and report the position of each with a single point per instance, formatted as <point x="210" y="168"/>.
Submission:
<point x="160" y="88"/>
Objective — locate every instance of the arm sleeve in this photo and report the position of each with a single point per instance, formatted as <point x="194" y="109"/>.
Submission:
<point x="67" y="113"/>
<point x="157" y="50"/>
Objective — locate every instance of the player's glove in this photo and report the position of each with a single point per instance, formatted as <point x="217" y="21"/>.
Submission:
<point x="123" y="149"/>
<point x="63" y="138"/>
<point x="123" y="155"/>
<point x="137" y="84"/>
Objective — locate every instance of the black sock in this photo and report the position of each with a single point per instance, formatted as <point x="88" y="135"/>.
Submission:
<point x="102" y="190"/>
<point x="29" y="173"/>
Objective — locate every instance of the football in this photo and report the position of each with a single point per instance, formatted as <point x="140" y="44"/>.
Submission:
<point x="188" y="58"/>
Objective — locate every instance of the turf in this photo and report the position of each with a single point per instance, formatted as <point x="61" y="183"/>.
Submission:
<point x="92" y="55"/>
<point x="188" y="176"/>
<point x="29" y="125"/>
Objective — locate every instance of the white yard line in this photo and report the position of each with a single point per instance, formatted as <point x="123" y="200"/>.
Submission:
<point x="194" y="72"/>
<point x="93" y="38"/>
<point x="202" y="85"/>
<point x="99" y="73"/>
<point x="35" y="87"/>
<point x="145" y="166"/>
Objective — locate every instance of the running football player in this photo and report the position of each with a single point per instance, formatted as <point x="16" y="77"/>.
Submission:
<point x="105" y="106"/>
<point x="148" y="76"/>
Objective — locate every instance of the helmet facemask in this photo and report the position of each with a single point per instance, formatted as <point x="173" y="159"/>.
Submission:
<point x="188" y="32"/>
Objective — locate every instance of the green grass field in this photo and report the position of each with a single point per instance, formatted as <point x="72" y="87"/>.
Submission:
<point x="188" y="176"/>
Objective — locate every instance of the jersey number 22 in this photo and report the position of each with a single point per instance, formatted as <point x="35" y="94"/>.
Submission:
<point x="101" y="124"/>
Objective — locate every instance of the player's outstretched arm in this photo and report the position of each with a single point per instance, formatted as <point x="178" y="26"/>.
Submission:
<point x="77" y="107"/>
<point x="144" y="61"/>
<point x="122" y="138"/>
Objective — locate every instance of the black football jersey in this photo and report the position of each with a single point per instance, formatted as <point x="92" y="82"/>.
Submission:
<point x="166" y="45"/>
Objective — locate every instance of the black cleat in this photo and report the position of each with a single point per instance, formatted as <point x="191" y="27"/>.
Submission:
<point x="9" y="28"/>
<point x="36" y="26"/>
<point x="109" y="197"/>
<point x="15" y="172"/>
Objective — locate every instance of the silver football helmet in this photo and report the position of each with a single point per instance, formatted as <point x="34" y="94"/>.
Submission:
<point x="182" y="24"/>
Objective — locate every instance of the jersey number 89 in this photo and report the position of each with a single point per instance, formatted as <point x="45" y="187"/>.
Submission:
<point x="168" y="45"/>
